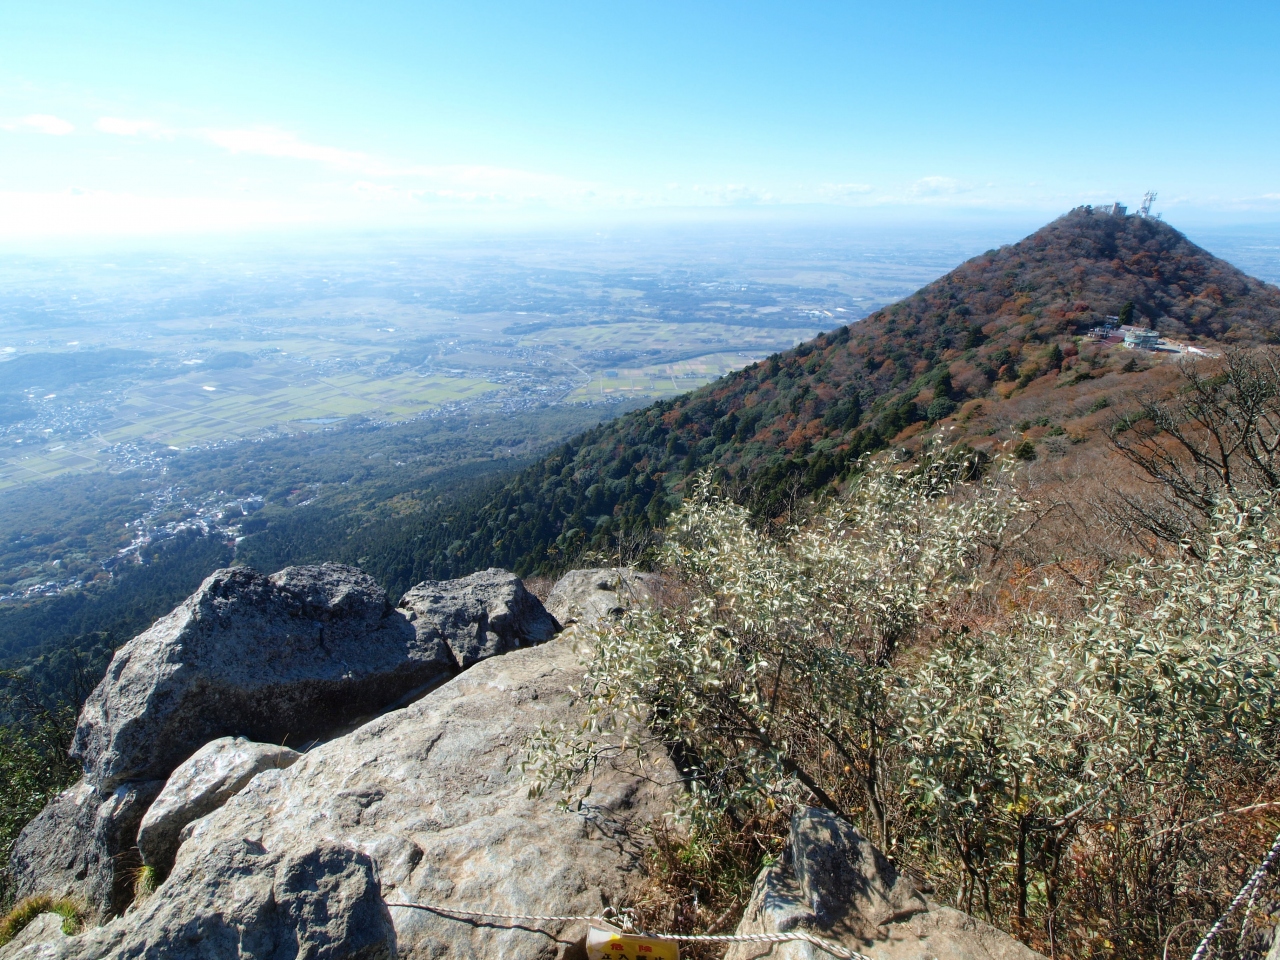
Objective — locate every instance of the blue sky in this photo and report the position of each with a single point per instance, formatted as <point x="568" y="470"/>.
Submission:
<point x="199" y="117"/>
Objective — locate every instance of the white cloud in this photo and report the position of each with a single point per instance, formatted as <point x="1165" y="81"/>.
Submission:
<point x="129" y="128"/>
<point x="43" y="123"/>
<point x="937" y="187"/>
<point x="92" y="212"/>
<point x="322" y="184"/>
<point x="270" y="142"/>
<point x="447" y="183"/>
<point x="466" y="183"/>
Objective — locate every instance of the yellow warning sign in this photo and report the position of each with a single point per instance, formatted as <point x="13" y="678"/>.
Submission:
<point x="609" y="943"/>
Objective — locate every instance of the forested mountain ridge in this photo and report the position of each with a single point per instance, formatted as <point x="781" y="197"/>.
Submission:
<point x="1001" y="328"/>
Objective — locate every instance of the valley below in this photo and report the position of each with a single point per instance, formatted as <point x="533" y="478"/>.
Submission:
<point x="898" y="585"/>
<point x="137" y="356"/>
<point x="160" y="413"/>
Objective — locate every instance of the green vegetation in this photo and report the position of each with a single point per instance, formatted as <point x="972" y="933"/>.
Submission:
<point x="294" y="354"/>
<point x="16" y="920"/>
<point x="64" y="643"/>
<point x="145" y="881"/>
<point x="357" y="484"/>
<point x="788" y="427"/>
<point x="1048" y="732"/>
<point x="1071" y="773"/>
<point x="14" y="409"/>
<point x="56" y="371"/>
<point x="34" y="766"/>
<point x="773" y="434"/>
<point x="1048" y="767"/>
<point x="785" y="649"/>
<point x="227" y="399"/>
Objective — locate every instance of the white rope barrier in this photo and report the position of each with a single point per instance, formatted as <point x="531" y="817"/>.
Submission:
<point x="1202" y="951"/>
<point x="799" y="935"/>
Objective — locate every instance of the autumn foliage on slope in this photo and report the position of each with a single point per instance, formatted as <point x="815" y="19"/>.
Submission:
<point x="998" y="347"/>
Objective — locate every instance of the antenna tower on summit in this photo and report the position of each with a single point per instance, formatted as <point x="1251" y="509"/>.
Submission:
<point x="1148" y="199"/>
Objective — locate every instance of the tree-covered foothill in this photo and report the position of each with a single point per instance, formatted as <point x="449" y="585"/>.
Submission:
<point x="55" y="641"/>
<point x="1070" y="778"/>
<point x="1076" y="748"/>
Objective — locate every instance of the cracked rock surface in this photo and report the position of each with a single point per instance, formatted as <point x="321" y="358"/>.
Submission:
<point x="290" y="656"/>
<point x="424" y="805"/>
<point x="201" y="784"/>
<point x="478" y="616"/>
<point x="586" y="596"/>
<point x="295" y="657"/>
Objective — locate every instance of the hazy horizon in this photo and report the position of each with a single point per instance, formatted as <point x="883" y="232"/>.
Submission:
<point x="149" y="119"/>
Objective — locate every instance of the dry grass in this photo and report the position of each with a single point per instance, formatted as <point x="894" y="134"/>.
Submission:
<point x="540" y="586"/>
<point x="703" y="885"/>
<point x="73" y="913"/>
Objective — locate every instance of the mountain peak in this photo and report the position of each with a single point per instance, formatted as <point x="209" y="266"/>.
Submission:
<point x="1085" y="266"/>
<point x="1000" y="347"/>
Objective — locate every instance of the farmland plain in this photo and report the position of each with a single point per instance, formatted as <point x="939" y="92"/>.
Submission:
<point x="107" y="360"/>
<point x="164" y="412"/>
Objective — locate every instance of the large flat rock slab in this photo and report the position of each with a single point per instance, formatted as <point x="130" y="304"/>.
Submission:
<point x="433" y="796"/>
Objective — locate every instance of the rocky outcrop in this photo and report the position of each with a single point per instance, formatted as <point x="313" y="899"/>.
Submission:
<point x="79" y="844"/>
<point x="435" y="794"/>
<point x="296" y="656"/>
<point x="44" y="929"/>
<point x="201" y="784"/>
<point x="319" y="900"/>
<point x="833" y="882"/>
<point x="293" y="655"/>
<point x="432" y="797"/>
<point x="587" y="596"/>
<point x="378" y="843"/>
<point x="478" y="616"/>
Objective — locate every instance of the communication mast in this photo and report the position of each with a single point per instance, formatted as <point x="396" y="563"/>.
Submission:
<point x="1148" y="199"/>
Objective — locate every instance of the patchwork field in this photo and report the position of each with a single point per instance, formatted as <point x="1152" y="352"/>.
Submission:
<point x="200" y="407"/>
<point x="109" y="362"/>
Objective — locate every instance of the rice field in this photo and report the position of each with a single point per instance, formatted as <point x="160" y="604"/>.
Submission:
<point x="240" y="403"/>
<point x="204" y="407"/>
<point x="308" y="373"/>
